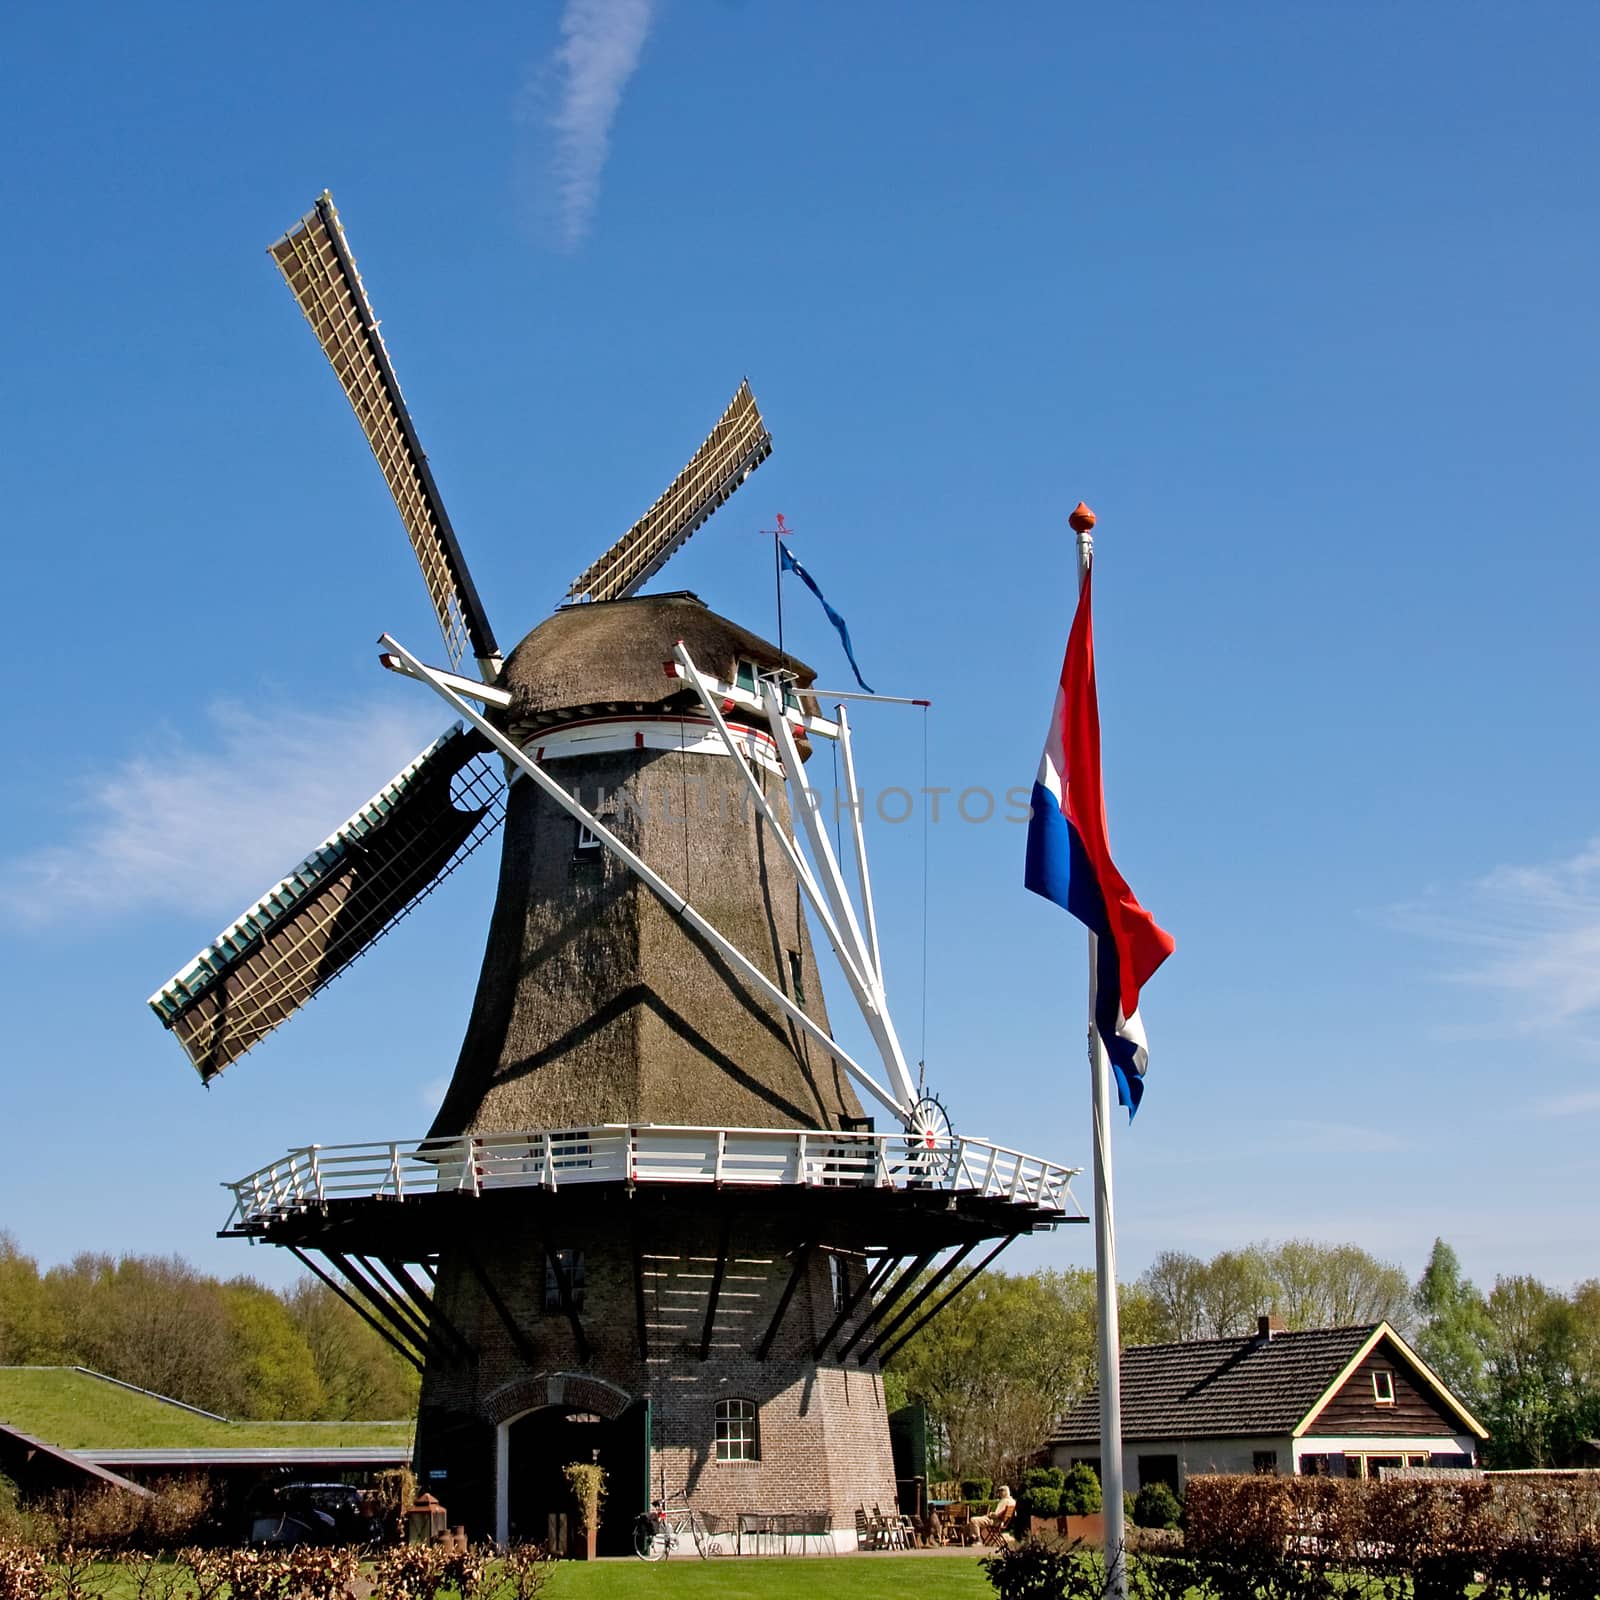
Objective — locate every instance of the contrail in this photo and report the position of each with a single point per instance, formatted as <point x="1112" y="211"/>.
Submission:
<point x="601" y="41"/>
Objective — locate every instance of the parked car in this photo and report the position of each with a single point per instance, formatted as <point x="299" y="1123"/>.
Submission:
<point x="312" y="1513"/>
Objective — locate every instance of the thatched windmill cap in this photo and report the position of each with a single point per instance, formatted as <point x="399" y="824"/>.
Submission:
<point x="609" y="656"/>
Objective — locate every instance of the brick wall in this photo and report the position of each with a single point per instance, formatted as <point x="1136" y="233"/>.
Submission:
<point x="822" y="1427"/>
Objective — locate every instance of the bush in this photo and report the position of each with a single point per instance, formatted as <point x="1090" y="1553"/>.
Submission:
<point x="1043" y="1569"/>
<point x="1043" y="1478"/>
<point x="976" y="1488"/>
<point x="1156" y="1506"/>
<point x="1038" y="1500"/>
<point x="1080" y="1492"/>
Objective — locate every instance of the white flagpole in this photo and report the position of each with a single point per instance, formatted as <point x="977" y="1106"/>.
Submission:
<point x="1105" y="1240"/>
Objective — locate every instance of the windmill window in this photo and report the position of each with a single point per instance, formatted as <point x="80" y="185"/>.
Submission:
<point x="571" y="1264"/>
<point x="744" y="676"/>
<point x="736" y="1431"/>
<point x="797" y="984"/>
<point x="587" y="841"/>
<point x="1383" y="1388"/>
<point x="837" y="1282"/>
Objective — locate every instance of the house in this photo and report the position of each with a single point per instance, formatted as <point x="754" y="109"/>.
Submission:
<point x="1342" y="1402"/>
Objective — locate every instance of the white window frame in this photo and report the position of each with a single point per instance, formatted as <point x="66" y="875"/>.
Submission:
<point x="1380" y="1397"/>
<point x="736" y="1426"/>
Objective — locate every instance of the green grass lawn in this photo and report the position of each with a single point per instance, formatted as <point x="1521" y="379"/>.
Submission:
<point x="775" y="1578"/>
<point x="79" y="1411"/>
<point x="763" y="1578"/>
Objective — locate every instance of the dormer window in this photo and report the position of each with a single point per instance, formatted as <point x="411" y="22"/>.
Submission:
<point x="1383" y="1388"/>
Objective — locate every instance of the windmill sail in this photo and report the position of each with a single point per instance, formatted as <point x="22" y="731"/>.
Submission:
<point x="341" y="899"/>
<point x="735" y="448"/>
<point x="317" y="265"/>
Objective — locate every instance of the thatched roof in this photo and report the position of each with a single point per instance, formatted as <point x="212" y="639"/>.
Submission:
<point x="611" y="655"/>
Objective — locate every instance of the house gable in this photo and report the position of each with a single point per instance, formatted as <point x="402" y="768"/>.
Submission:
<point x="1387" y="1391"/>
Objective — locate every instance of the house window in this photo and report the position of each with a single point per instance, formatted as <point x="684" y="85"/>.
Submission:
<point x="1159" y="1469"/>
<point x="736" y="1431"/>
<point x="570" y="1265"/>
<point x="797" y="984"/>
<point x="1264" y="1463"/>
<point x="1383" y="1388"/>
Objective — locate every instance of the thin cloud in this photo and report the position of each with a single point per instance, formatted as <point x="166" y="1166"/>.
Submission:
<point x="1531" y="936"/>
<point x="1342" y="1138"/>
<point x="1569" y="1105"/>
<point x="582" y="87"/>
<point x="207" y="825"/>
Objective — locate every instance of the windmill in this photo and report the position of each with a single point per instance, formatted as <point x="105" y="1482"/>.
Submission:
<point x="651" y="1224"/>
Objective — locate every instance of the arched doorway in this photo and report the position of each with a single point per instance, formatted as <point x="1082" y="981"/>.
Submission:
<point x="549" y="1422"/>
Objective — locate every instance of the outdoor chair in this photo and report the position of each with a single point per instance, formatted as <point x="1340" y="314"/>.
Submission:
<point x="960" y="1526"/>
<point x="869" y="1534"/>
<point x="899" y="1534"/>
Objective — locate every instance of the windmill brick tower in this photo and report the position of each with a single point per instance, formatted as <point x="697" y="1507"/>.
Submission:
<point x="651" y="1225"/>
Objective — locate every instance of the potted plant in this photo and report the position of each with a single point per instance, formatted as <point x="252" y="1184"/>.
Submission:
<point x="587" y="1481"/>
<point x="1082" y="1514"/>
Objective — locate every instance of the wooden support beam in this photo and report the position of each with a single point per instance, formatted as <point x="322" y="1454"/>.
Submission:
<point x="716" y="1288"/>
<point x="432" y="1317"/>
<point x="360" y="1310"/>
<point x="928" y="1316"/>
<point x="641" y="1320"/>
<point x="923" y="1293"/>
<point x="802" y="1260"/>
<point x="525" y="1346"/>
<point x="868" y="1285"/>
<point x="890" y="1299"/>
<point x="568" y="1304"/>
<point x="369" y="1280"/>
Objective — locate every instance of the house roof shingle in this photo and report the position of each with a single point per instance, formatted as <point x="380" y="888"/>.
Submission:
<point x="1211" y="1388"/>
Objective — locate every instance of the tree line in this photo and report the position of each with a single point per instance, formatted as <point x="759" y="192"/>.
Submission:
<point x="230" y="1346"/>
<point x="1014" y="1351"/>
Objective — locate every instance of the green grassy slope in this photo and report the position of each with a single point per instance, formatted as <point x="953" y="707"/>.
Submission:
<point x="80" y="1412"/>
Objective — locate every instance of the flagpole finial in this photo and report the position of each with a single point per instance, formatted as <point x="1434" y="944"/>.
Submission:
<point x="1081" y="519"/>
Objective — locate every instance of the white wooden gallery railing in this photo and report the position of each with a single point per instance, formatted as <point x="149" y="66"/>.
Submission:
<point x="473" y="1163"/>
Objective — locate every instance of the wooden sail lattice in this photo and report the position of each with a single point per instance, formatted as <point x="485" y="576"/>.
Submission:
<point x="336" y="904"/>
<point x="321" y="272"/>
<point x="732" y="451"/>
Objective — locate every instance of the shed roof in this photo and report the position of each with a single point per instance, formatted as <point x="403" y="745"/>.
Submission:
<point x="1213" y="1388"/>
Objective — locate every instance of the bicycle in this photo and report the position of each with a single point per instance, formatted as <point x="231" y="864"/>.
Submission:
<point x="659" y="1531"/>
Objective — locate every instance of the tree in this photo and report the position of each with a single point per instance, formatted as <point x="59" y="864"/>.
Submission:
<point x="1176" y="1285"/>
<point x="996" y="1368"/>
<point x="1237" y="1288"/>
<point x="1332" y="1286"/>
<point x="271" y="1361"/>
<point x="1525" y="1392"/>
<point x="149" y="1320"/>
<point x="361" y="1376"/>
<point x="1454" y="1331"/>
<point x="30" y="1329"/>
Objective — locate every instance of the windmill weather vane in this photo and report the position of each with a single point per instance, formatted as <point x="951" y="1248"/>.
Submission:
<point x="650" y="1224"/>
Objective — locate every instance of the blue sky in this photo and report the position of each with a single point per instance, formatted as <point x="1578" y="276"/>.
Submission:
<point x="1299" y="297"/>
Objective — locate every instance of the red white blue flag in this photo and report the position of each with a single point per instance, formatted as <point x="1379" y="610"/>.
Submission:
<point x="1069" y="861"/>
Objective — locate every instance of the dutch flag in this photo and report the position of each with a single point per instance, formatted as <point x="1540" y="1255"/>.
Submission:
<point x="1069" y="861"/>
